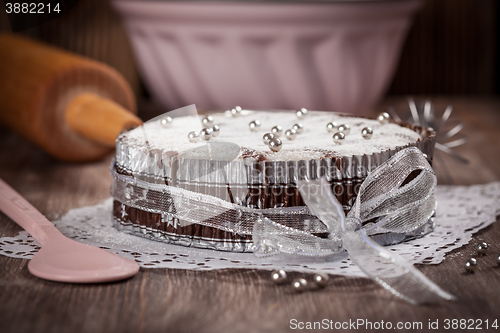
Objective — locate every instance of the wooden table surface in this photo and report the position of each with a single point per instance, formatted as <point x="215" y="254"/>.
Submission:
<point x="167" y="300"/>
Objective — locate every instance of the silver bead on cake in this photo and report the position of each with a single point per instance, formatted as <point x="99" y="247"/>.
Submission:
<point x="206" y="134"/>
<point x="275" y="144"/>
<point x="344" y="129"/>
<point x="367" y="133"/>
<point x="338" y="138"/>
<point x="267" y="137"/>
<point x="470" y="265"/>
<point x="321" y="279"/>
<point x="277" y="131"/>
<point x="236" y="111"/>
<point x="301" y="114"/>
<point x="278" y="276"/>
<point x="383" y="118"/>
<point x="166" y="121"/>
<point x="291" y="134"/>
<point x="215" y="131"/>
<point x="299" y="284"/>
<point x="298" y="128"/>
<point x="207" y="121"/>
<point x="331" y="127"/>
<point x="254" y="125"/>
<point x="193" y="136"/>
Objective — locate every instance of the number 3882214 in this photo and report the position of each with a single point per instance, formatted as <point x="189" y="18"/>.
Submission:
<point x="31" y="8"/>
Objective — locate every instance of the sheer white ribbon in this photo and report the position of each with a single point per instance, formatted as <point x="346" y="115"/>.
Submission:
<point x="384" y="199"/>
<point x="385" y="204"/>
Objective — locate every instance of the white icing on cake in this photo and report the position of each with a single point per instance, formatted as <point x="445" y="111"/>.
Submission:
<point x="314" y="142"/>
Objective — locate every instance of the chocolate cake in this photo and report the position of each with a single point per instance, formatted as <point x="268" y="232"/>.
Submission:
<point x="239" y="167"/>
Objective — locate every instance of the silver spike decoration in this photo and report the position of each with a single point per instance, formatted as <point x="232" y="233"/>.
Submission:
<point x="446" y="138"/>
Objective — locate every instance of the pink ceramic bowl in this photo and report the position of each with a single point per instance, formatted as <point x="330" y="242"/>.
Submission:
<point x="333" y="55"/>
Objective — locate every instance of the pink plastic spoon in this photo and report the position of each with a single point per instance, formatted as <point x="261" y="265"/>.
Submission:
<point x="60" y="258"/>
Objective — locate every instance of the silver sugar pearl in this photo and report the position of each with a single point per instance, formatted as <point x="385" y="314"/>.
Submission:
<point x="193" y="136"/>
<point x="254" y="125"/>
<point x="367" y="133"/>
<point x="277" y="131"/>
<point x="331" y="127"/>
<point x="482" y="248"/>
<point x="470" y="265"/>
<point x="299" y="284"/>
<point x="278" y="276"/>
<point x="383" y="118"/>
<point x="298" y="128"/>
<point x="236" y="111"/>
<point x="301" y="114"/>
<point x="498" y="259"/>
<point x="207" y="122"/>
<point x="275" y="144"/>
<point x="291" y="134"/>
<point x="344" y="129"/>
<point x="215" y="131"/>
<point x="321" y="279"/>
<point x="267" y="137"/>
<point x="338" y="138"/>
<point x="166" y="122"/>
<point x="206" y="134"/>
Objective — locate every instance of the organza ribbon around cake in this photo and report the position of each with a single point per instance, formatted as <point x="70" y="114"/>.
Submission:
<point x="387" y="202"/>
<point x="396" y="207"/>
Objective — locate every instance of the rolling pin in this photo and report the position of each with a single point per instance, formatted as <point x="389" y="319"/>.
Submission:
<point x="72" y="107"/>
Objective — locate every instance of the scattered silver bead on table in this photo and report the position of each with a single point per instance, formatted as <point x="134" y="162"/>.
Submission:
<point x="206" y="134"/>
<point x="207" y="121"/>
<point x="236" y="111"/>
<point x="482" y="248"/>
<point x="277" y="130"/>
<point x="298" y="128"/>
<point x="344" y="129"/>
<point x="331" y="127"/>
<point x="383" y="118"/>
<point x="193" y="136"/>
<point x="470" y="265"/>
<point x="215" y="131"/>
<point x="275" y="144"/>
<point x="498" y="259"/>
<point x="302" y="113"/>
<point x="321" y="279"/>
<point x="254" y="125"/>
<point x="267" y="137"/>
<point x="367" y="133"/>
<point x="166" y="122"/>
<point x="299" y="284"/>
<point x="291" y="134"/>
<point x="278" y="276"/>
<point x="338" y="138"/>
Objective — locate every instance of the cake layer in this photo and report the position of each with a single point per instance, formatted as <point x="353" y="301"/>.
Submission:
<point x="245" y="159"/>
<point x="315" y="142"/>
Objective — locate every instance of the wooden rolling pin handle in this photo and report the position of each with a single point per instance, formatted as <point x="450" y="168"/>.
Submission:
<point x="99" y="119"/>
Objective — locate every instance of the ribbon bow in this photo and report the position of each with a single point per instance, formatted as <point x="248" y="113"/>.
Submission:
<point x="386" y="203"/>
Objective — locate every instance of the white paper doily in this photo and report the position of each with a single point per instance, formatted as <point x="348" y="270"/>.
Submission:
<point x="462" y="211"/>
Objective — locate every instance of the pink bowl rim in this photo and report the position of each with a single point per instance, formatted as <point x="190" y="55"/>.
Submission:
<point x="275" y="12"/>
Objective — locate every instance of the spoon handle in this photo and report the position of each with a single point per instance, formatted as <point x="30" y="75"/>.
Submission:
<point x="23" y="213"/>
